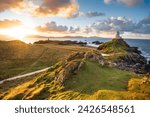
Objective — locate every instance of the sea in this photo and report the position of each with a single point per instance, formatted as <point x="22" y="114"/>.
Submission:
<point x="142" y="44"/>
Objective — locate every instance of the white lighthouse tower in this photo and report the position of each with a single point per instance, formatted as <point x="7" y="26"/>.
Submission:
<point x="118" y="35"/>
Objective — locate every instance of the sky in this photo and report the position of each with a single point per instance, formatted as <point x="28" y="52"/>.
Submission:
<point x="88" y="18"/>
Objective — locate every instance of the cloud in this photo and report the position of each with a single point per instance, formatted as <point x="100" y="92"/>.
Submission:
<point x="94" y="14"/>
<point x="10" y="4"/>
<point x="6" y="23"/>
<point x="145" y="21"/>
<point x="113" y="24"/>
<point x="108" y="1"/>
<point x="143" y="26"/>
<point x="89" y="14"/>
<point x="65" y="8"/>
<point x="125" y="2"/>
<point x="74" y="30"/>
<point x="52" y="27"/>
<point x="123" y="24"/>
<point x="104" y="28"/>
<point x="87" y="30"/>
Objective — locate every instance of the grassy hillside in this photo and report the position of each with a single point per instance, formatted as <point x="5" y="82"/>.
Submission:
<point x="44" y="87"/>
<point x="94" y="77"/>
<point x="114" y="46"/>
<point x="17" y="57"/>
<point x="91" y="81"/>
<point x="81" y="75"/>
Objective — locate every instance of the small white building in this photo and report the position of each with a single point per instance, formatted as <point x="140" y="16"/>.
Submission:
<point x="118" y="35"/>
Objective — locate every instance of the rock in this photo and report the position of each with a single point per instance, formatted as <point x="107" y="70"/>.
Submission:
<point x="147" y="68"/>
<point x="75" y="62"/>
<point x="133" y="49"/>
<point x="77" y="55"/>
<point x="70" y="68"/>
<point x="131" y="62"/>
<point x="97" y="42"/>
<point x="82" y="43"/>
<point x="95" y="56"/>
<point x="126" y="57"/>
<point x="149" y="62"/>
<point x="132" y="59"/>
<point x="81" y="64"/>
<point x="138" y="66"/>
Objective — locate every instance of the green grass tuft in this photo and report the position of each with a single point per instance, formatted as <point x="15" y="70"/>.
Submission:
<point x="93" y="77"/>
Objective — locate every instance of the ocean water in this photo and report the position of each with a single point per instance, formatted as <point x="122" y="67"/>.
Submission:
<point x="143" y="45"/>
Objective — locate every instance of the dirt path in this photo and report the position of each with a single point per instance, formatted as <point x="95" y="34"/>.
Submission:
<point x="25" y="75"/>
<point x="33" y="73"/>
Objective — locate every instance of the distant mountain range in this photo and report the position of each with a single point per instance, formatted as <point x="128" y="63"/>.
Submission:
<point x="39" y="36"/>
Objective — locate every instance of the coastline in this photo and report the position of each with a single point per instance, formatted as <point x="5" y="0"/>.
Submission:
<point x="143" y="46"/>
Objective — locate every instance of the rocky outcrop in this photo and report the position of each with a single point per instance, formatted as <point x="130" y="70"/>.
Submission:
<point x="74" y="63"/>
<point x="97" y="42"/>
<point x="68" y="69"/>
<point x="114" y="46"/>
<point x="95" y="56"/>
<point x="134" y="61"/>
<point x="131" y="61"/>
<point x="147" y="68"/>
<point x="133" y="49"/>
<point x="126" y="57"/>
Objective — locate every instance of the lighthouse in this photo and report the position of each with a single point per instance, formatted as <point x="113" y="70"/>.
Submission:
<point x="118" y="35"/>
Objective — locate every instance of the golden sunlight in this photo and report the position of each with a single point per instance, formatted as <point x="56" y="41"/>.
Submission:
<point x="19" y="32"/>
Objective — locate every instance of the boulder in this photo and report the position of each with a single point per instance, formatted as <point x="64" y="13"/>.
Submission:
<point x="97" y="42"/>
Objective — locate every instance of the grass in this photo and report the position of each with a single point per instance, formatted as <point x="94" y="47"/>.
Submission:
<point x="91" y="82"/>
<point x="18" y="58"/>
<point x="115" y="46"/>
<point x="14" y="83"/>
<point x="94" y="77"/>
<point x="96" y="86"/>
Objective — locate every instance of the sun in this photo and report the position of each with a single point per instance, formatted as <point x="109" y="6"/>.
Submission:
<point x="19" y="32"/>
